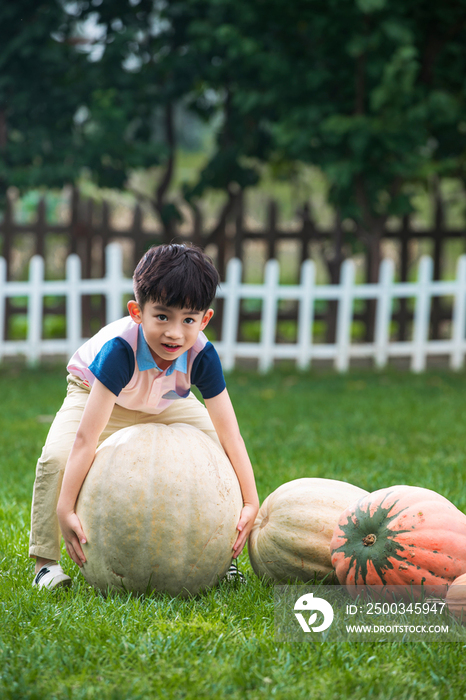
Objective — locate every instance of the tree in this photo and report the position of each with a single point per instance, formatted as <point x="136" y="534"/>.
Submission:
<point x="37" y="99"/>
<point x="154" y="57"/>
<point x="371" y="91"/>
<point x="49" y="82"/>
<point x="384" y="108"/>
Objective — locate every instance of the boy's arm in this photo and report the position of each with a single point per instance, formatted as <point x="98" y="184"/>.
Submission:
<point x="223" y="417"/>
<point x="95" y="417"/>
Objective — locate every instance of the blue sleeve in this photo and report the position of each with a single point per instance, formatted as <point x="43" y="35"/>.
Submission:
<point x="114" y="364"/>
<point x="207" y="373"/>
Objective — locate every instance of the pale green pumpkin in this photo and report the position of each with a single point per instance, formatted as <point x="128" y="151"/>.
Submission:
<point x="291" y="535"/>
<point x="159" y="507"/>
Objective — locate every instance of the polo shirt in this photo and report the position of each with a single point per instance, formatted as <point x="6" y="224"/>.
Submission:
<point x="119" y="357"/>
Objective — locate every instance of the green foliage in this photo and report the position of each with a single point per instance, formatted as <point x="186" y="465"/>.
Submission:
<point x="47" y="94"/>
<point x="41" y="82"/>
<point x="382" y="103"/>
<point x="372" y="92"/>
<point x="372" y="429"/>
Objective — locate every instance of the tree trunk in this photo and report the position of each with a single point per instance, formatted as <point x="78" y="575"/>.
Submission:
<point x="373" y="266"/>
<point x="438" y="254"/>
<point x="334" y="267"/>
<point x="3" y="145"/>
<point x="166" y="213"/>
<point x="404" y="267"/>
<point x="370" y="233"/>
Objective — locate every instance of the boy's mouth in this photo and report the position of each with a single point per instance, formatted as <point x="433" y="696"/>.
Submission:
<point x="169" y="347"/>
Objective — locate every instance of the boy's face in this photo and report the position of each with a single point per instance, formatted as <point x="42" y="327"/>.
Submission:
<point x="168" y="331"/>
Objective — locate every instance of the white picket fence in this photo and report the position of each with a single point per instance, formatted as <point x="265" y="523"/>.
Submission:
<point x="114" y="286"/>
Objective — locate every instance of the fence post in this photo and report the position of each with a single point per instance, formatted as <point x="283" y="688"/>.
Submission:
<point x="307" y="232"/>
<point x="35" y="309"/>
<point x="217" y="321"/>
<point x="422" y="315"/>
<point x="459" y="316"/>
<point x="41" y="228"/>
<point x="74" y="219"/>
<point x="438" y="252"/>
<point x="269" y="314"/>
<point x="404" y="267"/>
<point x="137" y="235"/>
<point x="383" y="312"/>
<point x="7" y="245"/>
<point x="231" y="308"/>
<point x="334" y="268"/>
<point x="105" y="234"/>
<point x="306" y="314"/>
<point x="8" y="225"/>
<point x="114" y="260"/>
<point x="73" y="303"/>
<point x="239" y="224"/>
<point x="344" y="317"/>
<point x="272" y="230"/>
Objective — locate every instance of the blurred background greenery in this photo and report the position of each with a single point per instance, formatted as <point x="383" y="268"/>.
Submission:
<point x="361" y="102"/>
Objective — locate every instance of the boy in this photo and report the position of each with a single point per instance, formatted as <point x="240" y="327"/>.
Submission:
<point x="138" y="369"/>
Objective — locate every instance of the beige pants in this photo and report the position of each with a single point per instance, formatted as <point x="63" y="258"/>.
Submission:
<point x="45" y="532"/>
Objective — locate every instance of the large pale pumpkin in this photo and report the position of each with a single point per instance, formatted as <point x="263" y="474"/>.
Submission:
<point x="291" y="535"/>
<point x="159" y="507"/>
<point x="400" y="536"/>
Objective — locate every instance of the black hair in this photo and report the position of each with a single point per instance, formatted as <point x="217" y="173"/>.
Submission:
<point x="176" y="275"/>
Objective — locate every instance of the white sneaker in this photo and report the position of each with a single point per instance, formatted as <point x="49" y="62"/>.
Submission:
<point x="51" y="576"/>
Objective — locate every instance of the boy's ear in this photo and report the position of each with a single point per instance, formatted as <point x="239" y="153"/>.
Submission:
<point x="134" y="311"/>
<point x="207" y="316"/>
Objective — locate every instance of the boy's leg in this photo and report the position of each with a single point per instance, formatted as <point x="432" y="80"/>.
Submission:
<point x="45" y="532"/>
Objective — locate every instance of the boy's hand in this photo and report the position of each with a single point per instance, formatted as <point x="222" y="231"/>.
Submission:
<point x="73" y="535"/>
<point x="244" y="527"/>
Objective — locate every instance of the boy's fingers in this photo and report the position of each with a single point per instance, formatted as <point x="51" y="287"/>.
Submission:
<point x="75" y="551"/>
<point x="79" y="552"/>
<point x="239" y="544"/>
<point x="78" y="530"/>
<point x="78" y="558"/>
<point x="244" y="526"/>
<point x="79" y="537"/>
<point x="72" y="554"/>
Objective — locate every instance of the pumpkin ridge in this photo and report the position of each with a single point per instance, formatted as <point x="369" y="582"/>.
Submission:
<point x="193" y="568"/>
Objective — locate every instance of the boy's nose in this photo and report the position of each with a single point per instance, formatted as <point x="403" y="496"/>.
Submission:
<point x="173" y="332"/>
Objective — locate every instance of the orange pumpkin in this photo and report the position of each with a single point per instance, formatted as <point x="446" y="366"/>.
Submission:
<point x="456" y="598"/>
<point x="400" y="536"/>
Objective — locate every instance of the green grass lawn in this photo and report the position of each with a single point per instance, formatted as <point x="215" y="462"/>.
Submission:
<point x="373" y="430"/>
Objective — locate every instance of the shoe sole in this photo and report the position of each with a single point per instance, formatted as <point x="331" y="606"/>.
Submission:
<point x="66" y="583"/>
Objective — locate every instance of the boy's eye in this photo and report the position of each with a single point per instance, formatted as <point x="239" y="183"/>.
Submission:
<point x="161" y="317"/>
<point x="189" y="320"/>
